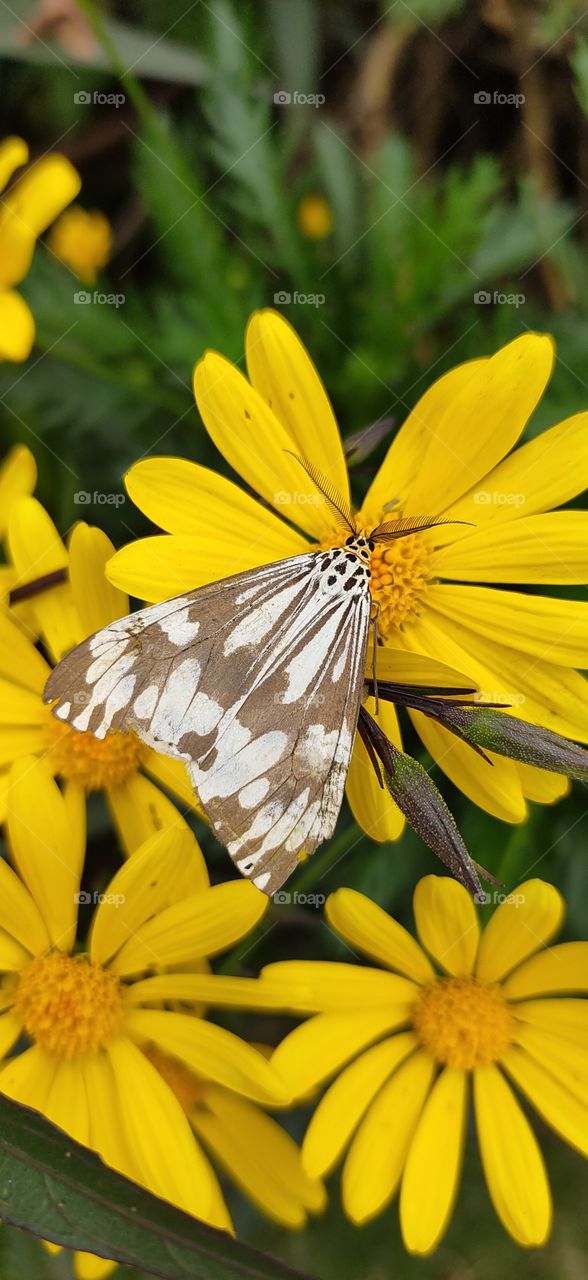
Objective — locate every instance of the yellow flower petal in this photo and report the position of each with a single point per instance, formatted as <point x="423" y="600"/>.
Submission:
<point x="139" y="809"/>
<point x="318" y="1048"/>
<point x="96" y="600"/>
<point x="256" y="445"/>
<point x="44" y="848"/>
<point x="563" y="968"/>
<point x="544" y="548"/>
<point x="10" y="1030"/>
<point x="28" y="1077"/>
<point x="447" y="923"/>
<point x="202" y="925"/>
<point x="173" y="775"/>
<point x="13" y="153"/>
<point x="567" y="1061"/>
<point x="370" y="929"/>
<point x="402" y="667"/>
<point x="540" y="475"/>
<point x="211" y="1052"/>
<point x="439" y="454"/>
<point x="433" y="1164"/>
<point x="259" y="1156"/>
<point x="138" y="891"/>
<point x="494" y="787"/>
<point x="21" y="740"/>
<point x="28" y="209"/>
<point x="513" y="1164"/>
<point x="36" y="549"/>
<point x="183" y="497"/>
<point x="19" y="659"/>
<point x="18" y="477"/>
<point x="107" y="1135"/>
<point x="559" y="1108"/>
<point x="372" y="805"/>
<point x="542" y="786"/>
<point x="13" y="956"/>
<point x="206" y="989"/>
<point x="17" y="327"/>
<point x="530" y="917"/>
<point x="169" y="1159"/>
<point x="160" y="568"/>
<point x="88" y="1266"/>
<point x="281" y="370"/>
<point x="567" y="1019"/>
<point x="556" y="630"/>
<point x="317" y="986"/>
<point x="19" y="706"/>
<point x="377" y="1155"/>
<point x="346" y="1101"/>
<point x="67" y="1103"/>
<point x="19" y="915"/>
<point x="541" y="692"/>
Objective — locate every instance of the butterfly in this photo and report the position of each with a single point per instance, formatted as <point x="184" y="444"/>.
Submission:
<point x="255" y="681"/>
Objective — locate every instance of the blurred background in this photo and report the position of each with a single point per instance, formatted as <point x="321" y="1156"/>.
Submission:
<point x="408" y="182"/>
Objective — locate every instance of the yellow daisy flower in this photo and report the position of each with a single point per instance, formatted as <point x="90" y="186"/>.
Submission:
<point x="25" y="213"/>
<point x="18" y="477"/>
<point x="105" y="1030"/>
<point x="82" y="239"/>
<point x="79" y="602"/>
<point x="409" y="1040"/>
<point x="452" y="458"/>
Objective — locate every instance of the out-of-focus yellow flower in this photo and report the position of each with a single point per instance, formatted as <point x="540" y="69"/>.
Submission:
<point x="314" y="217"/>
<point x="26" y="211"/>
<point x="82" y="239"/>
<point x="410" y="1041"/>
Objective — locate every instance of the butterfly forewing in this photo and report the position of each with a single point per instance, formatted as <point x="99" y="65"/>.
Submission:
<point x="256" y="683"/>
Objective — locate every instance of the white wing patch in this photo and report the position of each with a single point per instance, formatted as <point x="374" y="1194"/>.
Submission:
<point x="255" y="682"/>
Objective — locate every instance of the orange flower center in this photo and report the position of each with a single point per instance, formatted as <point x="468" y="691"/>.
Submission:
<point x="68" y="1005"/>
<point x="95" y="762"/>
<point x="463" y="1022"/>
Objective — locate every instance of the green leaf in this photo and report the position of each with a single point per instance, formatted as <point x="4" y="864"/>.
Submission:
<point x="57" y="1189"/>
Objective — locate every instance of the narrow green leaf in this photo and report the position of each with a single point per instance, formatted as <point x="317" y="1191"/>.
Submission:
<point x="57" y="1189"/>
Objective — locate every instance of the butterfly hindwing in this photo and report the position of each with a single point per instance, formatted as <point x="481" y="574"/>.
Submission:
<point x="255" y="682"/>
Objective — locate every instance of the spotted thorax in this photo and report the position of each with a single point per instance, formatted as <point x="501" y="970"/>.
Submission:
<point x="256" y="682"/>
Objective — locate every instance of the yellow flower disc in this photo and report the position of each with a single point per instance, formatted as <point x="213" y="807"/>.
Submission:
<point x="463" y="1023"/>
<point x="95" y="762"/>
<point x="67" y="1005"/>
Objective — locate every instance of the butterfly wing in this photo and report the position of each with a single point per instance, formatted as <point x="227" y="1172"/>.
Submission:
<point x="256" y="683"/>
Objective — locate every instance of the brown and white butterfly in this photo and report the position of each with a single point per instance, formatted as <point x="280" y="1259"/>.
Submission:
<point x="255" y="682"/>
